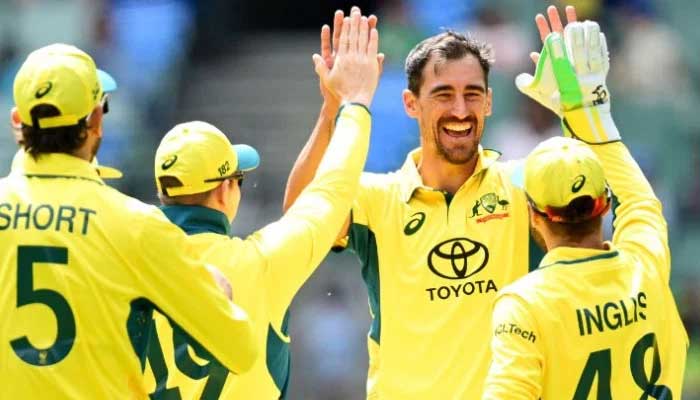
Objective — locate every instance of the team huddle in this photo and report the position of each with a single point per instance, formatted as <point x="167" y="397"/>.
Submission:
<point x="103" y="296"/>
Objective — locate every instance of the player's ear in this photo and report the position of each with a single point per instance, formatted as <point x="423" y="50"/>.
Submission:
<point x="489" y="101"/>
<point x="94" y="121"/>
<point x="221" y="193"/>
<point x="410" y="103"/>
<point x="15" y="120"/>
<point x="16" y="125"/>
<point x="535" y="219"/>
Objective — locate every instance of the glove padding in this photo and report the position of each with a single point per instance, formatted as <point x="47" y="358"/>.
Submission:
<point x="570" y="80"/>
<point x="580" y="73"/>
<point x="543" y="86"/>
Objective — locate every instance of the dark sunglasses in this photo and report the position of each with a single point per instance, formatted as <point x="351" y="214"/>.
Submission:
<point x="105" y="103"/>
<point x="238" y="176"/>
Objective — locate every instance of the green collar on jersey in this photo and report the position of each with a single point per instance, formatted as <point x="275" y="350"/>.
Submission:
<point x="411" y="179"/>
<point x="198" y="219"/>
<point x="575" y="255"/>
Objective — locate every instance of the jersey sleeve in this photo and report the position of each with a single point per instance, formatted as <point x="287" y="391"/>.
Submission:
<point x="362" y="207"/>
<point x="516" y="370"/>
<point x="170" y="276"/>
<point x="296" y="244"/>
<point x="640" y="227"/>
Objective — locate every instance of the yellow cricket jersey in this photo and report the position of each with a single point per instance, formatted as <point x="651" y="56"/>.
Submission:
<point x="433" y="264"/>
<point x="82" y="266"/>
<point x="595" y="324"/>
<point x="266" y="270"/>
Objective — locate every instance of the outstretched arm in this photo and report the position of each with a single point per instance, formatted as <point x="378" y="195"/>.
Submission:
<point x="309" y="158"/>
<point x="296" y="244"/>
<point x="580" y="63"/>
<point x="542" y="87"/>
<point x="640" y="227"/>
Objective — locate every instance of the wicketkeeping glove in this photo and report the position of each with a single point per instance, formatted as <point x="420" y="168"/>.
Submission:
<point x="543" y="86"/>
<point x="570" y="80"/>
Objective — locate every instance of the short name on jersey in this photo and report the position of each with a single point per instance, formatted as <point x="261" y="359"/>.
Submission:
<point x="64" y="218"/>
<point x="611" y="315"/>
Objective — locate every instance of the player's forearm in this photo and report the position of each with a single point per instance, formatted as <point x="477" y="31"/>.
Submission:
<point x="310" y="156"/>
<point x="325" y="203"/>
<point x="638" y="215"/>
<point x="229" y="337"/>
<point x="516" y="370"/>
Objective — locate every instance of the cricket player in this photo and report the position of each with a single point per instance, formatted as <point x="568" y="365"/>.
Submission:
<point x="82" y="266"/>
<point x="199" y="175"/>
<point x="439" y="237"/>
<point x="597" y="319"/>
<point x="105" y="172"/>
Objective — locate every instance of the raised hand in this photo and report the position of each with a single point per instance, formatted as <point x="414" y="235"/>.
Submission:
<point x="355" y="69"/>
<point x="330" y="40"/>
<point x="580" y="63"/>
<point x="542" y="87"/>
<point x="543" y="26"/>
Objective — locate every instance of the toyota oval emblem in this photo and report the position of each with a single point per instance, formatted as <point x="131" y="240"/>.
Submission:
<point x="458" y="258"/>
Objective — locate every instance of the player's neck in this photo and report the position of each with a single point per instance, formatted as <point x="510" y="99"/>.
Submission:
<point x="439" y="174"/>
<point x="87" y="151"/>
<point x="83" y="154"/>
<point x="593" y="241"/>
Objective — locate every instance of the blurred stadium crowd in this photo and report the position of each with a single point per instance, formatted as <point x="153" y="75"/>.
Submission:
<point x="246" y="67"/>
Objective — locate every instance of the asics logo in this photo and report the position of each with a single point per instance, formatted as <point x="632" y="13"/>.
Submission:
<point x="43" y="90"/>
<point x="578" y="183"/>
<point x="414" y="224"/>
<point x="169" y="162"/>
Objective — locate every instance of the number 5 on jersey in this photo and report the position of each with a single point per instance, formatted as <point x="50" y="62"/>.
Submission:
<point x="27" y="257"/>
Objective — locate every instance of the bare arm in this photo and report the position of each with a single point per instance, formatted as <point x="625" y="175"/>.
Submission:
<point x="296" y="244"/>
<point x="309" y="158"/>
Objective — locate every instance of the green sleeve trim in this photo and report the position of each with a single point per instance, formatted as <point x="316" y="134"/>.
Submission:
<point x="278" y="357"/>
<point x="364" y="244"/>
<point x="138" y="327"/>
<point x="351" y="104"/>
<point x="615" y="205"/>
<point x="603" y="256"/>
<point x="569" y="132"/>
<point x="535" y="254"/>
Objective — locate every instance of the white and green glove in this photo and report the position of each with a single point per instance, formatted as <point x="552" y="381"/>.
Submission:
<point x="570" y="80"/>
<point x="543" y="86"/>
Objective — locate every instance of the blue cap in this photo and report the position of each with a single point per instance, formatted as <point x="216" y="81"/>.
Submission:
<point x="248" y="157"/>
<point x="106" y="81"/>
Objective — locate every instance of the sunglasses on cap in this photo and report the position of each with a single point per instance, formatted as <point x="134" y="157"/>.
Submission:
<point x="104" y="102"/>
<point x="237" y="175"/>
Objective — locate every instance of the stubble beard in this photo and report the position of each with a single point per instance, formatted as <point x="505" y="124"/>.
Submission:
<point x="459" y="155"/>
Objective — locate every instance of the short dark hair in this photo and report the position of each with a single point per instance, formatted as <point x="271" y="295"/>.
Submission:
<point x="574" y="232"/>
<point x="64" y="139"/>
<point x="579" y="209"/>
<point x="449" y="45"/>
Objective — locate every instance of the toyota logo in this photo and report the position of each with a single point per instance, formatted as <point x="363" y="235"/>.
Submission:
<point x="458" y="258"/>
